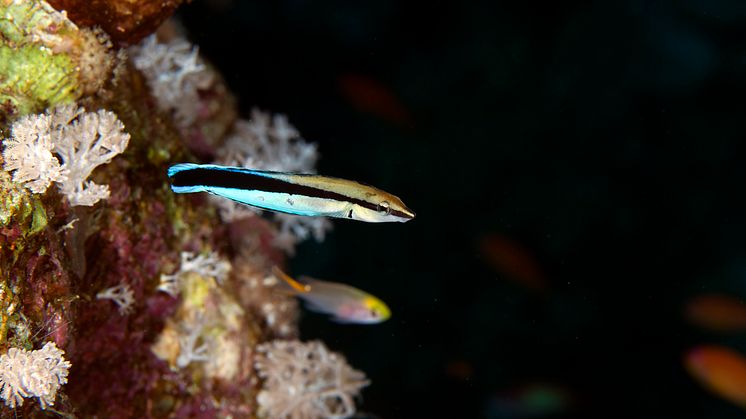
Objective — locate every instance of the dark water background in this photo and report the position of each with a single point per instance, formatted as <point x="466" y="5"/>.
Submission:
<point x="608" y="138"/>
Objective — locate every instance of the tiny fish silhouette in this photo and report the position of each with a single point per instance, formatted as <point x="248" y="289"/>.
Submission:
<point x="371" y="96"/>
<point x="717" y="312"/>
<point x="511" y="258"/>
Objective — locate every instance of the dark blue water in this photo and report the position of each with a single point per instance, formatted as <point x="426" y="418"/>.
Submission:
<point x="607" y="138"/>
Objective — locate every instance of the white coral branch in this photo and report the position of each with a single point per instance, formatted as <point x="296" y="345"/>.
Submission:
<point x="209" y="265"/>
<point x="188" y="350"/>
<point x="170" y="284"/>
<point x="269" y="143"/>
<point x="37" y="373"/>
<point x="306" y="380"/>
<point x="122" y="295"/>
<point x="88" y="142"/>
<point x="28" y="153"/>
<point x="175" y="74"/>
<point x="82" y="140"/>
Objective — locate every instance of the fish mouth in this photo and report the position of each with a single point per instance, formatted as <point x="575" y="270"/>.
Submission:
<point x="407" y="214"/>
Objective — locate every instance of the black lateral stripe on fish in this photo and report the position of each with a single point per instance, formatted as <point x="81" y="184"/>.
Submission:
<point x="240" y="183"/>
<point x="257" y="181"/>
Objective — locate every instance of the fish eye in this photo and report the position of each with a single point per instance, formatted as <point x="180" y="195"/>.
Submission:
<point x="373" y="313"/>
<point x="384" y="206"/>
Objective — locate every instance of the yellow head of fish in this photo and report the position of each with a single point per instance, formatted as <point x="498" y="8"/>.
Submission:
<point x="376" y="311"/>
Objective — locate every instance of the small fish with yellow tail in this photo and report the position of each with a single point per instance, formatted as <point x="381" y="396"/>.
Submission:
<point x="344" y="303"/>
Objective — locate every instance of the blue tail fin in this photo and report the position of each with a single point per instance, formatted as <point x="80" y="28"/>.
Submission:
<point x="180" y="168"/>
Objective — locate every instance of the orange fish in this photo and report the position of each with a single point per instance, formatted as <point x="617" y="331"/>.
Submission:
<point x="514" y="260"/>
<point x="721" y="313"/>
<point x="459" y="370"/>
<point x="721" y="370"/>
<point x="370" y="96"/>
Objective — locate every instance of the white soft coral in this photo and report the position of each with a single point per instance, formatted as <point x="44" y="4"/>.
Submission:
<point x="37" y="373"/>
<point x="265" y="143"/>
<point x="82" y="140"/>
<point x="28" y="153"/>
<point x="86" y="141"/>
<point x="209" y="265"/>
<point x="306" y="380"/>
<point x="175" y="74"/>
<point x="293" y="229"/>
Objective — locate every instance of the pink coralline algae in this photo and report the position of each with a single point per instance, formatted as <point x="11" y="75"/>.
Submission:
<point x="119" y="298"/>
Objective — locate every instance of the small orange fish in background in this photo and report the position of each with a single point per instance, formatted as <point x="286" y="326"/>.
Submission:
<point x="718" y="312"/>
<point x="371" y="96"/>
<point x="721" y="370"/>
<point x="509" y="257"/>
<point x="459" y="370"/>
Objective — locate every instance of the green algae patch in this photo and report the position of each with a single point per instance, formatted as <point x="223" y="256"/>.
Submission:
<point x="22" y="214"/>
<point x="32" y="78"/>
<point x="20" y="208"/>
<point x="37" y="69"/>
<point x="38" y="218"/>
<point x="8" y="306"/>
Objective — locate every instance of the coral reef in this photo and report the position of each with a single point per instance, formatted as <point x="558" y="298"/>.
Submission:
<point x="306" y="380"/>
<point x="188" y="88"/>
<point x="161" y="308"/>
<point x="46" y="60"/>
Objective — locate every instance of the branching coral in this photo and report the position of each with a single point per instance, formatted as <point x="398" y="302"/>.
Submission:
<point x="209" y="332"/>
<point x="175" y="74"/>
<point x="122" y="295"/>
<point x="208" y="265"/>
<point x="306" y="380"/>
<point x="28" y="153"/>
<point x="37" y="373"/>
<point x="268" y="143"/>
<point x="83" y="140"/>
<point x="293" y="229"/>
<point x="189" y="351"/>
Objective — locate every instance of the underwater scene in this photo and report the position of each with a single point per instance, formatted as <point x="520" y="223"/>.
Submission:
<point x="300" y="209"/>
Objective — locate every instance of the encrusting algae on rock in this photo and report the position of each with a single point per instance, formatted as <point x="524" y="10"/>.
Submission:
<point x="120" y="298"/>
<point x="45" y="59"/>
